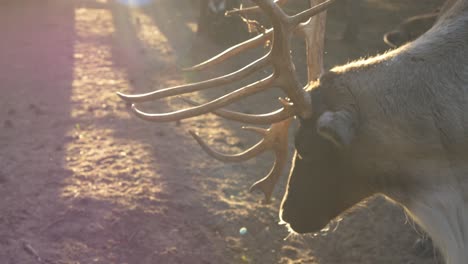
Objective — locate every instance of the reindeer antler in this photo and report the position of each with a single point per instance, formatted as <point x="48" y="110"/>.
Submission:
<point x="283" y="76"/>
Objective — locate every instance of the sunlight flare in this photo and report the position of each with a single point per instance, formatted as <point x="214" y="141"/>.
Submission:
<point x="127" y="172"/>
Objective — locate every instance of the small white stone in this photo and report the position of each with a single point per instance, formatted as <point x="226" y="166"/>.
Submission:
<point x="243" y="231"/>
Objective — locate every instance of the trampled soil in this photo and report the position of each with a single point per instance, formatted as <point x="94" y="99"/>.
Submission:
<point x="84" y="181"/>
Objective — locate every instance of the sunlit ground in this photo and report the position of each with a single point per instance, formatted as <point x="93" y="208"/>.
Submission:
<point x="110" y="165"/>
<point x="121" y="179"/>
<point x="127" y="169"/>
<point x="135" y="3"/>
<point x="120" y="201"/>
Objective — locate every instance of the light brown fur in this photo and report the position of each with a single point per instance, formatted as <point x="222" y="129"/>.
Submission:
<point x="411" y="141"/>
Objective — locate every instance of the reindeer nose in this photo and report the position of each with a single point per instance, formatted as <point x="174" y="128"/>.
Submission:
<point x="304" y="222"/>
<point x="294" y="222"/>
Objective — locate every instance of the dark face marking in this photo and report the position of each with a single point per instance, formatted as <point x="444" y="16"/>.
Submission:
<point x="320" y="184"/>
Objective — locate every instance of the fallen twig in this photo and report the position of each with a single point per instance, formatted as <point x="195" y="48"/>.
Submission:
<point x="31" y="251"/>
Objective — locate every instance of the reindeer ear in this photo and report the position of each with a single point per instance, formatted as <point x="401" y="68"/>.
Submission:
<point x="338" y="127"/>
<point x="394" y="38"/>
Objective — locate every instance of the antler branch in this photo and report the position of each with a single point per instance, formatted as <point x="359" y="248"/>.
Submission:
<point x="259" y="119"/>
<point x="283" y="76"/>
<point x="275" y="139"/>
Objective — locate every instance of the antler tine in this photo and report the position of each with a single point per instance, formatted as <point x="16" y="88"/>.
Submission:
<point x="275" y="139"/>
<point x="260" y="119"/>
<point x="306" y="14"/>
<point x="210" y="106"/>
<point x="267" y="184"/>
<point x="251" y="9"/>
<point x="233" y="51"/>
<point x="252" y="152"/>
<point x="192" y="87"/>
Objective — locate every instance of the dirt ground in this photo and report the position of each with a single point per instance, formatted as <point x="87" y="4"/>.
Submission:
<point x="83" y="181"/>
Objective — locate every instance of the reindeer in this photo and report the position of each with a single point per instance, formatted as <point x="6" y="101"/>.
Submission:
<point x="394" y="124"/>
<point x="413" y="27"/>
<point x="410" y="29"/>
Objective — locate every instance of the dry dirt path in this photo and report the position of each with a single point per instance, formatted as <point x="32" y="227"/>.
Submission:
<point x="83" y="181"/>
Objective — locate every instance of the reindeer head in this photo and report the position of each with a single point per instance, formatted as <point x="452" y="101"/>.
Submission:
<point x="323" y="182"/>
<point x="316" y="191"/>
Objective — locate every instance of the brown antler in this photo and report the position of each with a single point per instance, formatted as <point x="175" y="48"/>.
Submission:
<point x="283" y="76"/>
<point x="279" y="57"/>
<point x="264" y="119"/>
<point x="234" y="50"/>
<point x="275" y="138"/>
<point x="251" y="9"/>
<point x="313" y="31"/>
